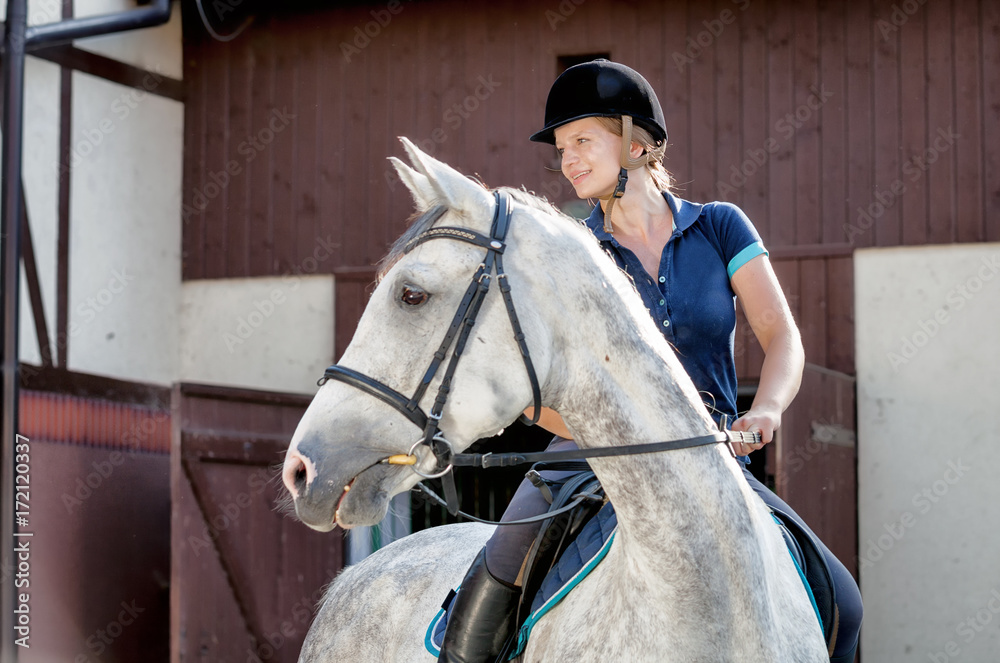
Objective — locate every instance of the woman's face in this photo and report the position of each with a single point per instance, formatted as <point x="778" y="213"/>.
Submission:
<point x="590" y="157"/>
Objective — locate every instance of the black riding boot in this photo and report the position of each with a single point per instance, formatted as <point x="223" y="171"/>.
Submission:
<point x="481" y="617"/>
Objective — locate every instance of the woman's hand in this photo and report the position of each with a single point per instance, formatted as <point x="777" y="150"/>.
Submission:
<point x="761" y="420"/>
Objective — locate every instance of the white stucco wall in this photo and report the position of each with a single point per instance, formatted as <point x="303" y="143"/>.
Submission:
<point x="266" y="333"/>
<point x="130" y="316"/>
<point x="125" y="230"/>
<point x="928" y="364"/>
<point x="41" y="184"/>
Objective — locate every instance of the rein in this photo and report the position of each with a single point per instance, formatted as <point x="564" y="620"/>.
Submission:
<point x="509" y="459"/>
<point x="489" y="460"/>
<point x="458" y="334"/>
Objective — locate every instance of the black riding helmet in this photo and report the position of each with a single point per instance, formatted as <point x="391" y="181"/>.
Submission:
<point x="601" y="88"/>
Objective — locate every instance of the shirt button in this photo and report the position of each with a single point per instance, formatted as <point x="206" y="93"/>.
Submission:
<point x="662" y="302"/>
<point x="666" y="323"/>
<point x="663" y="279"/>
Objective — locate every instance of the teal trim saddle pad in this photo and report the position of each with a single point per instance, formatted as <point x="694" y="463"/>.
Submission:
<point x="580" y="558"/>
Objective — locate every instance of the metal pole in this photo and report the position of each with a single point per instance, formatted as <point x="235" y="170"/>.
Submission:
<point x="90" y="26"/>
<point x="11" y="206"/>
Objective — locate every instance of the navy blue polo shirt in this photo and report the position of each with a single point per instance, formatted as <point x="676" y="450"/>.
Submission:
<point x="691" y="299"/>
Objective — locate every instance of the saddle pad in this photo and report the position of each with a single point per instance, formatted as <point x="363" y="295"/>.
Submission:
<point x="435" y="630"/>
<point x="590" y="547"/>
<point x="586" y="552"/>
<point x="579" y="559"/>
<point x="806" y="551"/>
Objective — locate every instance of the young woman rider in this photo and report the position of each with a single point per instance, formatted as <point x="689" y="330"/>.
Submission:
<point x="689" y="262"/>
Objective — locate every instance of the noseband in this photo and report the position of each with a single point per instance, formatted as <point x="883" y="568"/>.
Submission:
<point x="458" y="333"/>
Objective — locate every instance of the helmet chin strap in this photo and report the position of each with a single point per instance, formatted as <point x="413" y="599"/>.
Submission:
<point x="626" y="163"/>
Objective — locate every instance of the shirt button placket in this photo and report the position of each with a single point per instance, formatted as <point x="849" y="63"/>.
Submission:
<point x="663" y="302"/>
<point x="665" y="262"/>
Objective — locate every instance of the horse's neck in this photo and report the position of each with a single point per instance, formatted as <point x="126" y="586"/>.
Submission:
<point x="685" y="507"/>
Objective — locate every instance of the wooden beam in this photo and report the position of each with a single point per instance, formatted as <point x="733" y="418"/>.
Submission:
<point x="85" y="385"/>
<point x="243" y="395"/>
<point x="113" y="70"/>
<point x="62" y="236"/>
<point x="33" y="284"/>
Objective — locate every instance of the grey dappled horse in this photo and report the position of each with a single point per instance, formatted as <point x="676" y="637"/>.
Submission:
<point x="698" y="570"/>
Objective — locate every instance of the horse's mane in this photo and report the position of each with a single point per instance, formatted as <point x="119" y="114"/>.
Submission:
<point x="420" y="222"/>
<point x="540" y="203"/>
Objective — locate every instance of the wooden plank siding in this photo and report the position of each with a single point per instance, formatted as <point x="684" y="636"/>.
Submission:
<point x="245" y="578"/>
<point x="890" y="95"/>
<point x="833" y="125"/>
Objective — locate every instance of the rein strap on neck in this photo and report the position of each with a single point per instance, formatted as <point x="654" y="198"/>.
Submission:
<point x="513" y="458"/>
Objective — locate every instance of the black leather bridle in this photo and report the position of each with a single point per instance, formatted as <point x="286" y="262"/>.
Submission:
<point x="458" y="333"/>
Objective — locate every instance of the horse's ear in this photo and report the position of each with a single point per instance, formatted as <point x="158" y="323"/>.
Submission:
<point x="453" y="189"/>
<point x="420" y="187"/>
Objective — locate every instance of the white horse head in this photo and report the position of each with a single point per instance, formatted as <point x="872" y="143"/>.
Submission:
<point x="345" y="432"/>
<point x="693" y="540"/>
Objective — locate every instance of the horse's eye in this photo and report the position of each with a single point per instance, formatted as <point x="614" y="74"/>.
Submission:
<point x="414" y="296"/>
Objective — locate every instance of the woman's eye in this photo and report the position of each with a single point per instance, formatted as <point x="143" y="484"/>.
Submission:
<point x="413" y="296"/>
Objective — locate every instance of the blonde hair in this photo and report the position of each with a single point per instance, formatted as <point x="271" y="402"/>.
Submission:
<point x="652" y="153"/>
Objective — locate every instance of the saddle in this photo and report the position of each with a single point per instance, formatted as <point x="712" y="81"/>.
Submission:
<point x="805" y="549"/>
<point x="571" y="544"/>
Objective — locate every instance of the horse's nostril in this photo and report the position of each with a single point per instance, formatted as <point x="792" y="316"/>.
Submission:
<point x="295" y="475"/>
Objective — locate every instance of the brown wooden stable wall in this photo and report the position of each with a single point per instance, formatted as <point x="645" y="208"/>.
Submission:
<point x="99" y="517"/>
<point x="155" y="532"/>
<point x="834" y="125"/>
<point x="245" y="577"/>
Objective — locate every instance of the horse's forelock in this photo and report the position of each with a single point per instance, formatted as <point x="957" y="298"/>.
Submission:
<point x="418" y="223"/>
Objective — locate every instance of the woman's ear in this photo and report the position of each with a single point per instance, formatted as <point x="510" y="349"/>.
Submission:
<point x="636" y="150"/>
